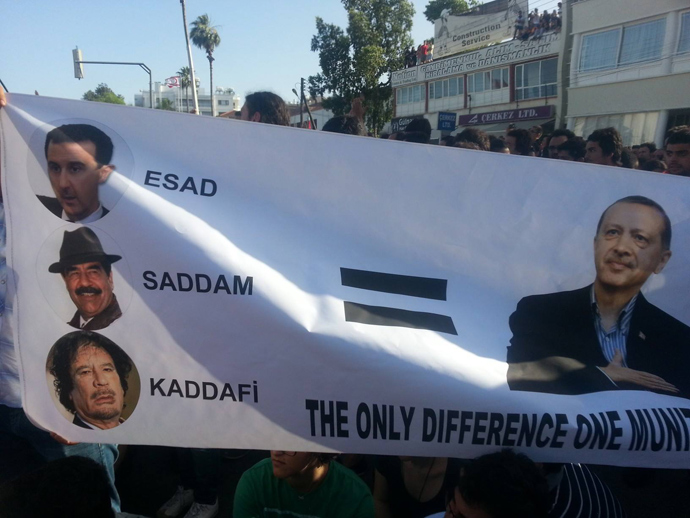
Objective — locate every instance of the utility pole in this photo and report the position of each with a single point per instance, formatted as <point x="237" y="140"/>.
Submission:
<point x="191" y="61"/>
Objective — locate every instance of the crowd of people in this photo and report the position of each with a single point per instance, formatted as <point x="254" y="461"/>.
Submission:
<point x="423" y="54"/>
<point x="535" y="25"/>
<point x="42" y="474"/>
<point x="603" y="146"/>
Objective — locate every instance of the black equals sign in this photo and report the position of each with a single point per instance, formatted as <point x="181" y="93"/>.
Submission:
<point x="423" y="287"/>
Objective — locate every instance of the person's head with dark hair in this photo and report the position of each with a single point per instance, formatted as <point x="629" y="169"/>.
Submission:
<point x="78" y="158"/>
<point x="604" y="147"/>
<point x="448" y="141"/>
<point x="677" y="150"/>
<point x="633" y="241"/>
<point x="420" y="124"/>
<point x="265" y="107"/>
<point x="345" y="124"/>
<point x="498" y="145"/>
<point x="519" y="142"/>
<point x="572" y="149"/>
<point x="501" y="485"/>
<point x="559" y="137"/>
<point x="654" y="166"/>
<point x="535" y="133"/>
<point x="474" y="135"/>
<point x="91" y="374"/>
<point x="629" y="160"/>
<point x="76" y="133"/>
<point x="73" y="486"/>
<point x="646" y="151"/>
<point x="418" y="137"/>
<point x="87" y="272"/>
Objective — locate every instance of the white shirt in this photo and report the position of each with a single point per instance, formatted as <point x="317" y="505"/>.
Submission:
<point x="94" y="216"/>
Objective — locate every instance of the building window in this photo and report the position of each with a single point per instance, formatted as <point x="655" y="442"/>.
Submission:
<point x="600" y="50"/>
<point x="536" y="79"/>
<point x="492" y="80"/>
<point x="623" y="46"/>
<point x="410" y="94"/>
<point x="446" y="88"/>
<point x="642" y="42"/>
<point x="684" y="43"/>
<point x="223" y="102"/>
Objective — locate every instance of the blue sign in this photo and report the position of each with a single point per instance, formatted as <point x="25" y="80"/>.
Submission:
<point x="446" y="121"/>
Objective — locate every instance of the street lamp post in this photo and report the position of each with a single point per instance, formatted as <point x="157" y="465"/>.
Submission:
<point x="78" y="63"/>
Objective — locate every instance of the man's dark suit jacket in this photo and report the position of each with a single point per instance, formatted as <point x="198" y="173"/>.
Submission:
<point x="100" y="321"/>
<point x="562" y="324"/>
<point x="53" y="205"/>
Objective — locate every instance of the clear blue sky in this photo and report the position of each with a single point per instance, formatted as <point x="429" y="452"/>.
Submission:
<point x="265" y="45"/>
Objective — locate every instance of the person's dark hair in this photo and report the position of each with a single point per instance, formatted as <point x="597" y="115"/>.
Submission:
<point x="562" y="133"/>
<point x="575" y="147"/>
<point x="609" y="141"/>
<point x="271" y="107"/>
<point x="420" y="124"/>
<point x="678" y="135"/>
<point x="650" y="145"/>
<point x="643" y="200"/>
<point x="68" y="133"/>
<point x="475" y="136"/>
<point x="415" y="136"/>
<point x="449" y="140"/>
<point x="523" y="142"/>
<point x="636" y="146"/>
<point x="73" y="486"/>
<point x="65" y="351"/>
<point x="497" y="145"/>
<point x="464" y="144"/>
<point x="654" y="165"/>
<point x="345" y="124"/>
<point x="629" y="160"/>
<point x="505" y="485"/>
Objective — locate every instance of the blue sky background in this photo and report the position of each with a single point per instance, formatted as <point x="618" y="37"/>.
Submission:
<point x="265" y="44"/>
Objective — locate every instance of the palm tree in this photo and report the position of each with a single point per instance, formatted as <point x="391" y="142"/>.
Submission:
<point x="185" y="82"/>
<point x="205" y="36"/>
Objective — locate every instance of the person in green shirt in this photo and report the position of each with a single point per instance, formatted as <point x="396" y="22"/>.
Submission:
<point x="301" y="484"/>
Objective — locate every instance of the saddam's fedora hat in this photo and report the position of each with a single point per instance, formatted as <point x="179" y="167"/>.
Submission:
<point x="81" y="246"/>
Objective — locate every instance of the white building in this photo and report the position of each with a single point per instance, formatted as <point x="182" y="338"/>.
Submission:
<point x="513" y="82"/>
<point x="630" y="68"/>
<point x="225" y="98"/>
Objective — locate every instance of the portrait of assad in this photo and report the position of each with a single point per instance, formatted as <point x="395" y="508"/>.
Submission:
<point x="78" y="160"/>
<point x="87" y="272"/>
<point x="91" y="378"/>
<point x="606" y="336"/>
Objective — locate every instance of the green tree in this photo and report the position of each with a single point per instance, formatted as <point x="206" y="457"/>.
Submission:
<point x="358" y="61"/>
<point x="205" y="36"/>
<point x="166" y="104"/>
<point x="103" y="94"/>
<point x="434" y="7"/>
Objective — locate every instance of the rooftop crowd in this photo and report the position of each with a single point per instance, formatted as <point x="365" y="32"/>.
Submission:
<point x="44" y="475"/>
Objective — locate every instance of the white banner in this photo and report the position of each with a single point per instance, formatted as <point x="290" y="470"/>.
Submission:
<point x="251" y="286"/>
<point x="453" y="34"/>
